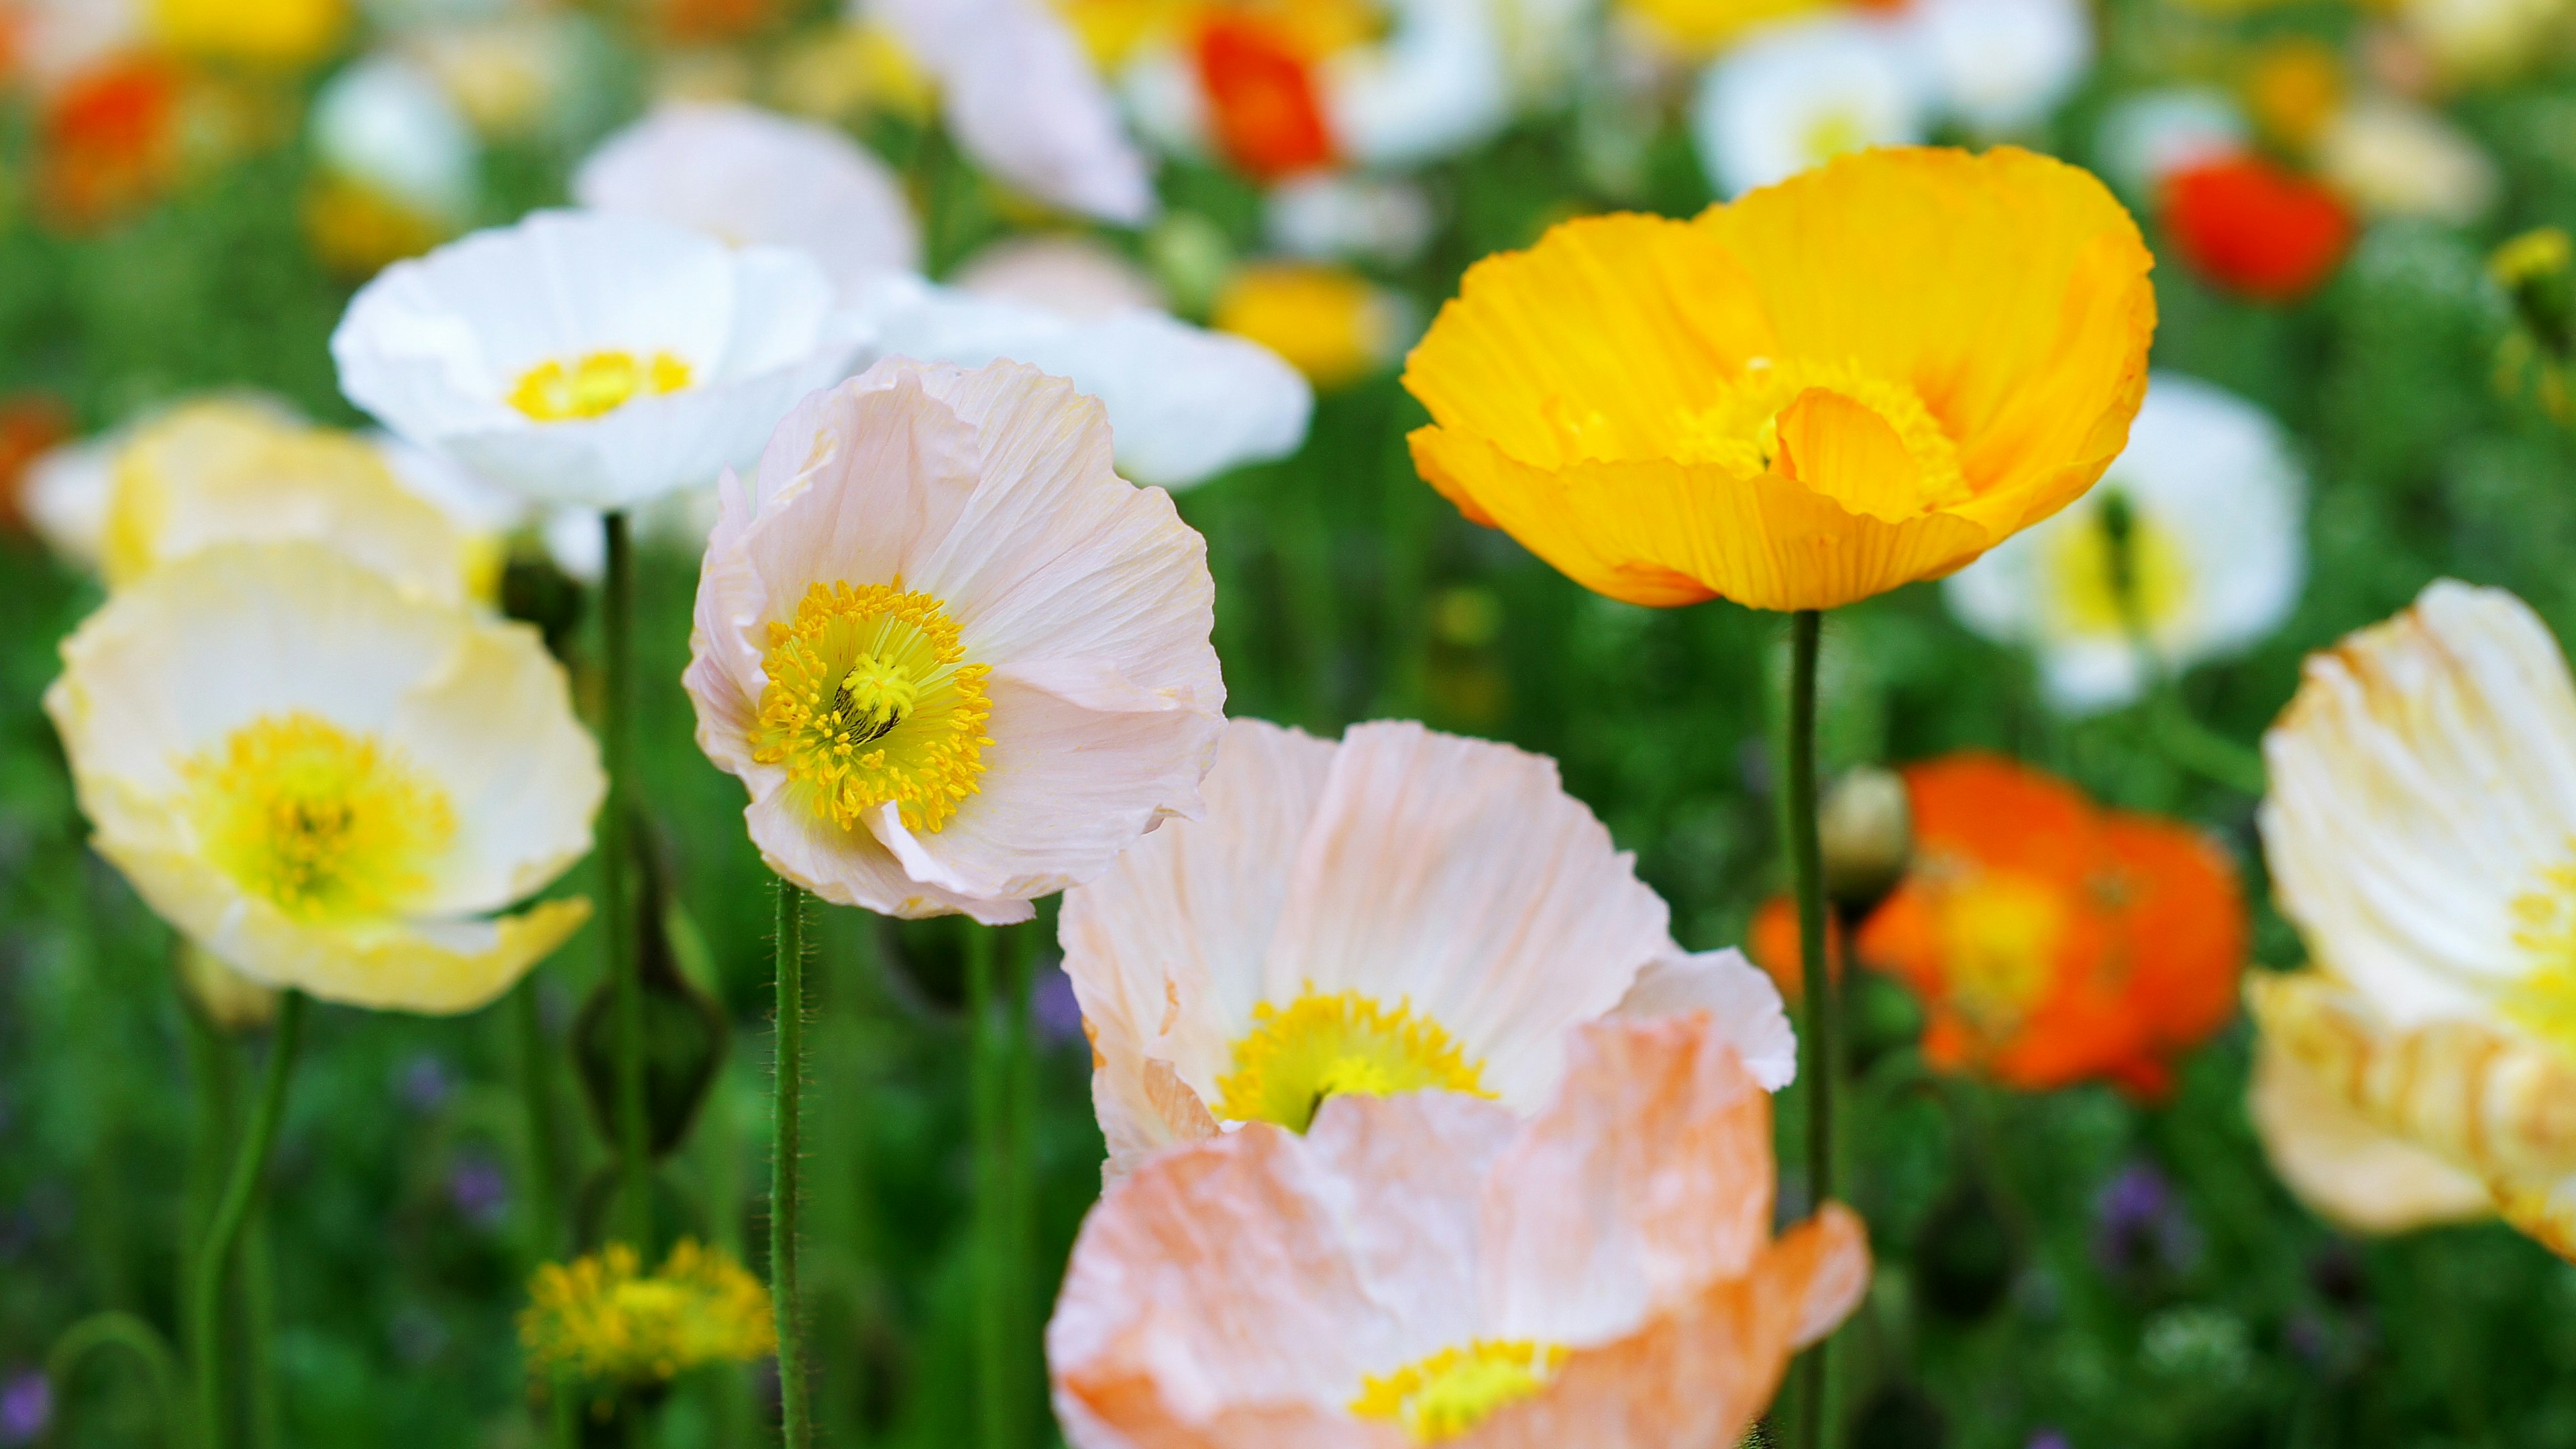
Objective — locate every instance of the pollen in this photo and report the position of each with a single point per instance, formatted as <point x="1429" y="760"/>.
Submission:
<point x="870" y="700"/>
<point x="321" y="823"/>
<point x="1452" y="1391"/>
<point x="595" y="385"/>
<point x="1742" y="428"/>
<point x="1328" y="1046"/>
<point x="602" y="1320"/>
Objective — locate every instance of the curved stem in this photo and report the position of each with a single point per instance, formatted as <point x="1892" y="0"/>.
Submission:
<point x="114" y="1329"/>
<point x="1818" y="1041"/>
<point x="214" y="1259"/>
<point x="617" y="886"/>
<point x="796" y="1413"/>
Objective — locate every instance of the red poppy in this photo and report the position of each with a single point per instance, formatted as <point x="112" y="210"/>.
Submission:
<point x="2049" y="940"/>
<point x="30" y="424"/>
<point x="110" y="141"/>
<point x="2257" y="228"/>
<point x="1262" y="102"/>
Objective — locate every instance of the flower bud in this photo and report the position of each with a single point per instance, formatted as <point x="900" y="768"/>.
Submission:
<point x="1865" y="828"/>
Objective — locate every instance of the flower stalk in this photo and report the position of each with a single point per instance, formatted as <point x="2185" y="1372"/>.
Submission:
<point x="617" y="886"/>
<point x="796" y="1409"/>
<point x="1002" y="1081"/>
<point x="214" y="1258"/>
<point x="1820" y="1039"/>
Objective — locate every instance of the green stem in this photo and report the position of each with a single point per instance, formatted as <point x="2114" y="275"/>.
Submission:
<point x="617" y="886"/>
<point x="537" y="1095"/>
<point x="998" y="1200"/>
<point x="214" y="1259"/>
<point x="784" y="1161"/>
<point x="1818" y="1042"/>
<point x="114" y="1329"/>
<point x="259" y="1326"/>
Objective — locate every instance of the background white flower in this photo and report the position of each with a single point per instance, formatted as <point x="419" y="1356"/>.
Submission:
<point x="2002" y="65"/>
<point x="2218" y="537"/>
<point x="386" y="124"/>
<point x="1802" y="93"/>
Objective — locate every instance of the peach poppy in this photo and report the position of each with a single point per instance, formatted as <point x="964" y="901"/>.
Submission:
<point x="1430" y="1268"/>
<point x="1867" y="375"/>
<point x="2052" y="941"/>
<point x="1399" y="910"/>
<point x="2257" y="228"/>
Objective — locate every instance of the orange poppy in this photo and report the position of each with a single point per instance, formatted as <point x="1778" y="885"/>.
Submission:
<point x="1263" y="103"/>
<point x="31" y="424"/>
<point x="2257" y="228"/>
<point x="111" y="141"/>
<point x="2050" y="941"/>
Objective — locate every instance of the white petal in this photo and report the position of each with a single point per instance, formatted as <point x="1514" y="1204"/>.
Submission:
<point x="1435" y="85"/>
<point x="2004" y="64"/>
<point x="1743" y="1005"/>
<point x="1797" y="93"/>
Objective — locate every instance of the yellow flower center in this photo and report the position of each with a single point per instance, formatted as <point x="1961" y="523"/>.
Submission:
<point x="1741" y="430"/>
<point x="602" y="1319"/>
<point x="1831" y="133"/>
<point x="596" y="385"/>
<point x="870" y="700"/>
<point x="2543" y="1001"/>
<point x="1999" y="935"/>
<point x="1328" y="1046"/>
<point x="2085" y="590"/>
<point x="320" y="823"/>
<point x="1453" y="1390"/>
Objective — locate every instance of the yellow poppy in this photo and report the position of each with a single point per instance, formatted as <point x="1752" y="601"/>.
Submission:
<point x="1867" y="375"/>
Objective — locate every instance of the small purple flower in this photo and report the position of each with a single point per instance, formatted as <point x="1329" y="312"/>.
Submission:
<point x="1052" y="1007"/>
<point x="479" y="1190"/>
<point x="2139" y="1223"/>
<point x="2048" y="1439"/>
<point x="423" y="1083"/>
<point x="26" y="1407"/>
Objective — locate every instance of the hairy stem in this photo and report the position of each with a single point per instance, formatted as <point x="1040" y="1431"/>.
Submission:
<point x="784" y="1204"/>
<point x="1817" y="1042"/>
<point x="214" y="1258"/>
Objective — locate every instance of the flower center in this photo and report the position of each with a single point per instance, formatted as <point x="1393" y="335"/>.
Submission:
<point x="870" y="700"/>
<point x="1453" y="1390"/>
<point x="595" y="385"/>
<point x="1327" y="1046"/>
<point x="2084" y="580"/>
<point x="2543" y="1001"/>
<point x="2000" y="932"/>
<point x="1830" y="133"/>
<point x="1741" y="430"/>
<point x="318" y="822"/>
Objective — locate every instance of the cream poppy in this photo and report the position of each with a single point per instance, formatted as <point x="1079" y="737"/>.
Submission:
<point x="1023" y="100"/>
<point x="2215" y="505"/>
<point x="1430" y="1268"/>
<point x="326" y="782"/>
<point x="593" y="359"/>
<point x="2397" y="158"/>
<point x="1802" y="93"/>
<point x="236" y="470"/>
<point x="957" y="661"/>
<point x="2348" y="1168"/>
<point x="1400" y="910"/>
<point x="2421" y="832"/>
<point x="749" y="175"/>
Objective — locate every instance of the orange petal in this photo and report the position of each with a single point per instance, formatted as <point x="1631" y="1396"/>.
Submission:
<point x="1847" y="452"/>
<point x="1531" y="504"/>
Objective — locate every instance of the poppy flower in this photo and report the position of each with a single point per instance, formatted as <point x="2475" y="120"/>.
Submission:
<point x="956" y="660"/>
<point x="31" y="425"/>
<point x="1431" y="1268"/>
<point x="2421" y="831"/>
<point x="328" y="782"/>
<point x="1399" y="910"/>
<point x="1867" y="375"/>
<point x="2051" y="941"/>
<point x="109" y="140"/>
<point x="2257" y="228"/>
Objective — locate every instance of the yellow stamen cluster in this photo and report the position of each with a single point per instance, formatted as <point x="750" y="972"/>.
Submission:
<point x="2000" y="933"/>
<point x="870" y="700"/>
<point x="1742" y="429"/>
<point x="2543" y="1002"/>
<point x="1328" y="1046"/>
<point x="1453" y="1390"/>
<point x="321" y="823"/>
<point x="599" y="1320"/>
<point x="596" y="385"/>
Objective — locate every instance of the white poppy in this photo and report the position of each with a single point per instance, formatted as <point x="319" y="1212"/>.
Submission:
<point x="593" y="359"/>
<point x="386" y="125"/>
<point x="326" y="781"/>
<point x="1071" y="276"/>
<point x="1023" y="100"/>
<point x="749" y="175"/>
<point x="1802" y="93"/>
<point x="1332" y="214"/>
<point x="2002" y="65"/>
<point x="1399" y="910"/>
<point x="2217" y="543"/>
<point x="2396" y="158"/>
<point x="66" y="494"/>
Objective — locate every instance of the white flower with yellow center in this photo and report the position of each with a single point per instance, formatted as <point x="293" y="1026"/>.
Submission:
<point x="2421" y="833"/>
<point x="593" y="359"/>
<point x="1399" y="911"/>
<point x="1799" y="94"/>
<point x="2207" y="508"/>
<point x="956" y="659"/>
<point x="326" y="782"/>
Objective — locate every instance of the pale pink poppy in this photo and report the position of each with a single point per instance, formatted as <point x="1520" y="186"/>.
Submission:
<point x="1400" y="910"/>
<point x="957" y="660"/>
<point x="1434" y="1268"/>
